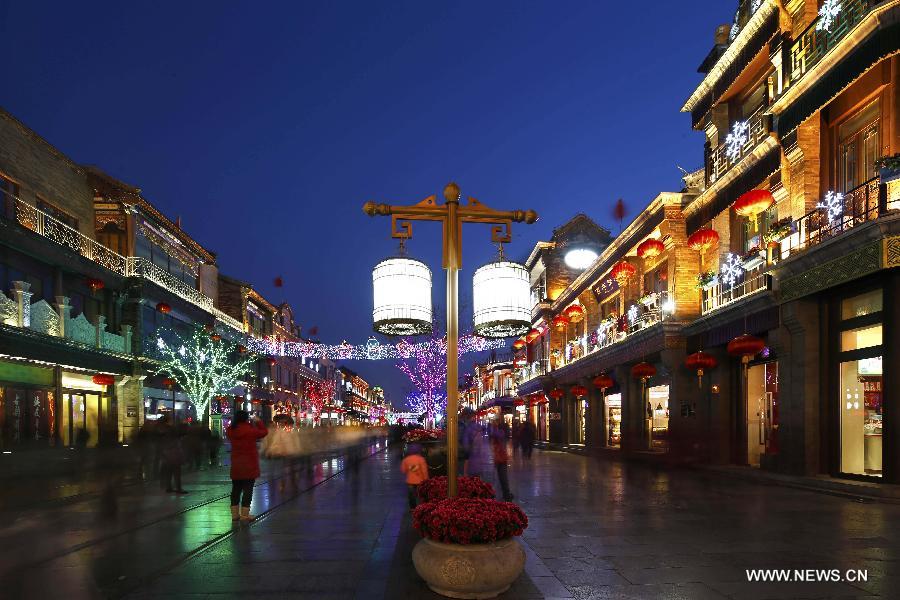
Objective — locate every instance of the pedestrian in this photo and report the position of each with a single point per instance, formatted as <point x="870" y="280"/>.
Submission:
<point x="214" y="443"/>
<point x="172" y="455"/>
<point x="243" y="435"/>
<point x="468" y="432"/>
<point x="516" y="430"/>
<point x="501" y="458"/>
<point x="416" y="470"/>
<point x="526" y="438"/>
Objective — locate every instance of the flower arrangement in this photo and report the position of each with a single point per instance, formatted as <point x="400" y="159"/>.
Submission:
<point x="423" y="435"/>
<point x="704" y="279"/>
<point x="435" y="488"/>
<point x="469" y="520"/>
<point x="778" y="230"/>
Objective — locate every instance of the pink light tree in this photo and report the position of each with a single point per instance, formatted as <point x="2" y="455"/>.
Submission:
<point x="427" y="371"/>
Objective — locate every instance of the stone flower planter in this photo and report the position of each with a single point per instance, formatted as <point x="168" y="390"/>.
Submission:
<point x="469" y="570"/>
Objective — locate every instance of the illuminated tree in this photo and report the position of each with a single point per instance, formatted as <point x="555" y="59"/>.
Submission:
<point x="427" y="371"/>
<point x="204" y="365"/>
<point x="319" y="393"/>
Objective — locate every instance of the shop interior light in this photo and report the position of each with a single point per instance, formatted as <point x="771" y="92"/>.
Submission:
<point x="580" y="258"/>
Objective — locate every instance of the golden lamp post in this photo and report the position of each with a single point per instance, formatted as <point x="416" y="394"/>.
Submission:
<point x="452" y="215"/>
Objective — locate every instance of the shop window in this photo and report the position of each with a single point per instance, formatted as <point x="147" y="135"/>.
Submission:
<point x="613" y="420"/>
<point x="658" y="415"/>
<point x="858" y="148"/>
<point x="860" y="398"/>
<point x="657" y="279"/>
<point x="862" y="305"/>
<point x="861" y="337"/>
<point x="753" y="237"/>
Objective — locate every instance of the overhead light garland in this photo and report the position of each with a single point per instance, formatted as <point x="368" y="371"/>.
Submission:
<point x="371" y="350"/>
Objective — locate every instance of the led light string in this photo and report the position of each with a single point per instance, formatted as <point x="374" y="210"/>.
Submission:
<point x="371" y="350"/>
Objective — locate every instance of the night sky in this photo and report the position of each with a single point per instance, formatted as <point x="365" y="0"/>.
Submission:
<point x="266" y="129"/>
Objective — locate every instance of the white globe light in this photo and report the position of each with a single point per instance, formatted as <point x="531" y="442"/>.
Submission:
<point x="501" y="298"/>
<point x="402" y="293"/>
<point x="580" y="258"/>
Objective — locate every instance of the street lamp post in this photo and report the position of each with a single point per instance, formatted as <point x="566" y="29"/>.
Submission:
<point x="451" y="215"/>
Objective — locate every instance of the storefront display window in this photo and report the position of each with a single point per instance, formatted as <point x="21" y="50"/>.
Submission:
<point x="860" y="402"/>
<point x="861" y="417"/>
<point x="614" y="420"/>
<point x="658" y="414"/>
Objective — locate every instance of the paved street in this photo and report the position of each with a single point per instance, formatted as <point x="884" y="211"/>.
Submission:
<point x="598" y="529"/>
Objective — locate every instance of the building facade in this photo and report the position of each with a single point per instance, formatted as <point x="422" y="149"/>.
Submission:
<point x="775" y="263"/>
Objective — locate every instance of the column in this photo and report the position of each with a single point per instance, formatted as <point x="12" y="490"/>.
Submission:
<point x="800" y="389"/>
<point x="64" y="310"/>
<point x="23" y="303"/>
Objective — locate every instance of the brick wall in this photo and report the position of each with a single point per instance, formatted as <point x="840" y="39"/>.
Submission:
<point x="41" y="171"/>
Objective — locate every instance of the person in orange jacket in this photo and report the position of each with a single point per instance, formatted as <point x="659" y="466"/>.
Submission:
<point x="416" y="470"/>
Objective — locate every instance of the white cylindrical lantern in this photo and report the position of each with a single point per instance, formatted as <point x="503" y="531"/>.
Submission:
<point x="402" y="289"/>
<point x="501" y="297"/>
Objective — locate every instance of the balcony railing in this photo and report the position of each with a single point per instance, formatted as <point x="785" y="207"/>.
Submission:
<point x="532" y="371"/>
<point x="54" y="230"/>
<point x="863" y="203"/>
<point x="738" y="143"/>
<point x="721" y="295"/>
<point x="823" y="34"/>
<point x="652" y="309"/>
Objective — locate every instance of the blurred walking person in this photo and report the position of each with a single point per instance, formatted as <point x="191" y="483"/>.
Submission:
<point x="499" y="438"/>
<point x="243" y="435"/>
<point x="526" y="438"/>
<point x="172" y="455"/>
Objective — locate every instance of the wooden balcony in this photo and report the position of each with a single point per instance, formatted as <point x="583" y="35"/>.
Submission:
<point x="748" y="133"/>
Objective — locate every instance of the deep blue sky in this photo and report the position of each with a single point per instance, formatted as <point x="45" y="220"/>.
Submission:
<point x="265" y="126"/>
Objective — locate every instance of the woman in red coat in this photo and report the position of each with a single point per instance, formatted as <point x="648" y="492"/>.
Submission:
<point x="244" y="462"/>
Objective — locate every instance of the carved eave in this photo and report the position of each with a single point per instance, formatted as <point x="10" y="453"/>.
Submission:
<point x="754" y="24"/>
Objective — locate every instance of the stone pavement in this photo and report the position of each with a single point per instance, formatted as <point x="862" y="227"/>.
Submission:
<point x="598" y="529"/>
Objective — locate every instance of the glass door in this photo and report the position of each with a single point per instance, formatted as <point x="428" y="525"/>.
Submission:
<point x="81" y="419"/>
<point x="861" y="417"/>
<point x="614" y="420"/>
<point x="860" y="399"/>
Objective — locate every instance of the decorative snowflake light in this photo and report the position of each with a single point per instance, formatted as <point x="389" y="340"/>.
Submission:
<point x="827" y="14"/>
<point x="632" y="314"/>
<point x="733" y="33"/>
<point x="754" y="6"/>
<point x="833" y="204"/>
<point x="737" y="139"/>
<point x="731" y="270"/>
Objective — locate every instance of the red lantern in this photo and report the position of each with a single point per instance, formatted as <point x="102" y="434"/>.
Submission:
<point x="95" y="284"/>
<point x="532" y="335"/>
<point x="216" y="337"/>
<point x="579" y="391"/>
<point x="168" y="382"/>
<point x="560" y="321"/>
<point x="574" y="313"/>
<point x="557" y="393"/>
<point x="518" y="345"/>
<point x="271" y="361"/>
<point x="700" y="361"/>
<point x="752" y="204"/>
<point x="103" y="379"/>
<point x="241" y="349"/>
<point x="745" y="346"/>
<point x="703" y="239"/>
<point x="650" y="248"/>
<point x="622" y="271"/>
<point x="603" y="381"/>
<point x="643" y="371"/>
<point x="163" y="308"/>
